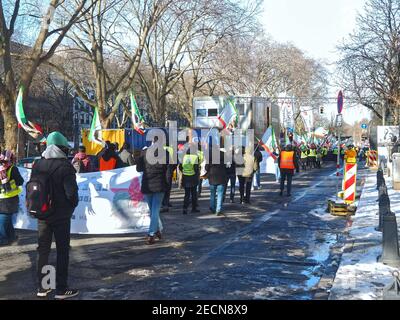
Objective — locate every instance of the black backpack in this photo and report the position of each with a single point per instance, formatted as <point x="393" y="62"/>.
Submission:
<point x="39" y="195"/>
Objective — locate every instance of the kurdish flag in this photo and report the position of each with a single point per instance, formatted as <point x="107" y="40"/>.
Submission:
<point x="268" y="142"/>
<point x="95" y="133"/>
<point x="137" y="119"/>
<point x="229" y="116"/>
<point x="34" y="130"/>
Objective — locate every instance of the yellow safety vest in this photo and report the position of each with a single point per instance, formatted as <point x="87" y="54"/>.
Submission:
<point x="304" y="155"/>
<point x="188" y="163"/>
<point x="313" y="153"/>
<point x="15" y="191"/>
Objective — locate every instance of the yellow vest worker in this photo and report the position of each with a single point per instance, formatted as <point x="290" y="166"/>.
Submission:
<point x="14" y="189"/>
<point x="312" y="153"/>
<point x="188" y="163"/>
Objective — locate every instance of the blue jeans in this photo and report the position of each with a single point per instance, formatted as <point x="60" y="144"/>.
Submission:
<point x="154" y="201"/>
<point x="216" y="192"/>
<point x="7" y="232"/>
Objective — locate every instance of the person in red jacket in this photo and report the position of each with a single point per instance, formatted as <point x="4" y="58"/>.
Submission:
<point x="108" y="158"/>
<point x="288" y="162"/>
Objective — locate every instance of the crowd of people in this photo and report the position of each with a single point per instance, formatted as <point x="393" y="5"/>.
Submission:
<point x="52" y="191"/>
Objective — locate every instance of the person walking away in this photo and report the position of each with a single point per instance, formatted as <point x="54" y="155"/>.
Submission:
<point x="81" y="161"/>
<point x="154" y="185"/>
<point x="312" y="153"/>
<point x="10" y="189"/>
<point x="258" y="157"/>
<point x="304" y="157"/>
<point x="245" y="175"/>
<point x="231" y="176"/>
<point x="318" y="158"/>
<point x="288" y="162"/>
<point x="109" y="159"/>
<point x="61" y="177"/>
<point x="126" y="155"/>
<point x="217" y="177"/>
<point x="190" y="172"/>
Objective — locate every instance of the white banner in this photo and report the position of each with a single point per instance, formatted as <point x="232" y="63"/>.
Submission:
<point x="110" y="202"/>
<point x="387" y="135"/>
<point x="287" y="113"/>
<point x="308" y="118"/>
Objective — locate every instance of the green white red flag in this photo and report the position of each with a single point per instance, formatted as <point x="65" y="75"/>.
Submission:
<point x="229" y="116"/>
<point x="95" y="129"/>
<point x="268" y="142"/>
<point x="137" y="119"/>
<point x="34" y="130"/>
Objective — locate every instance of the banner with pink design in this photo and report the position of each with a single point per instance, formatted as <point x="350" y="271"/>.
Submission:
<point x="110" y="202"/>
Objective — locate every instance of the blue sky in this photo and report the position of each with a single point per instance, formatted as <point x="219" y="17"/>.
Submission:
<point x="316" y="27"/>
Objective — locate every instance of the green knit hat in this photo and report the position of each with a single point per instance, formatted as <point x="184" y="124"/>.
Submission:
<point x="57" y="138"/>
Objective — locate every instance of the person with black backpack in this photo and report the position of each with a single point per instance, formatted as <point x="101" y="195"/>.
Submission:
<point x="51" y="197"/>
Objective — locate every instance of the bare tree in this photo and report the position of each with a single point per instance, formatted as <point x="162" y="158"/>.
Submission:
<point x="182" y="46"/>
<point x="45" y="44"/>
<point x="103" y="53"/>
<point x="370" y="59"/>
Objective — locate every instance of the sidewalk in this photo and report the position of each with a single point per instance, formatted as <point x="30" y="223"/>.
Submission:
<point x="360" y="276"/>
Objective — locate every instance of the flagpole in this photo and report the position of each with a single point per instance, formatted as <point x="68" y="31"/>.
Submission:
<point x="18" y="145"/>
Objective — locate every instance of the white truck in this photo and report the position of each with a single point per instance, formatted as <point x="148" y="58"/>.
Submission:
<point x="256" y="113"/>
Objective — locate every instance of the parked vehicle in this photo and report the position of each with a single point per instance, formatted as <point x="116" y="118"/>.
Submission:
<point x="256" y="113"/>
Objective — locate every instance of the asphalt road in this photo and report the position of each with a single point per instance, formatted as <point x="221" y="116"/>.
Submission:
<point x="275" y="248"/>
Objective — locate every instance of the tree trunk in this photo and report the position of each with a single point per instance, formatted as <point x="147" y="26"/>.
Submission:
<point x="10" y="125"/>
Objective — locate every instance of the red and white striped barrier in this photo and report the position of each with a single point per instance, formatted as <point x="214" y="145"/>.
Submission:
<point x="373" y="159"/>
<point x="350" y="183"/>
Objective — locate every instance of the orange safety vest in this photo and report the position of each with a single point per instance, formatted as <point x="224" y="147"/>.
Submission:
<point x="287" y="160"/>
<point x="107" y="165"/>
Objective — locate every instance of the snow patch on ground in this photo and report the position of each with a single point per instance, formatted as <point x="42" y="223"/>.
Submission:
<point x="360" y="276"/>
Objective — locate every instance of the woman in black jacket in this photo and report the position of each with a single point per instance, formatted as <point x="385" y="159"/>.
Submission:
<point x="154" y="185"/>
<point x="217" y="177"/>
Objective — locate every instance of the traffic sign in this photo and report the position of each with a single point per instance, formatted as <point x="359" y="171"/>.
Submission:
<point x="339" y="121"/>
<point x="364" y="126"/>
<point x="340" y="102"/>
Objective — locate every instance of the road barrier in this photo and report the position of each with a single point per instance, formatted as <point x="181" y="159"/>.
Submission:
<point x="388" y="225"/>
<point x="350" y="183"/>
<point x="372" y="159"/>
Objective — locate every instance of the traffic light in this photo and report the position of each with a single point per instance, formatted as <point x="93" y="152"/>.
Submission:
<point x="321" y="110"/>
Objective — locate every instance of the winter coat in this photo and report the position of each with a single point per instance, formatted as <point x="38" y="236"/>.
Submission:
<point x="63" y="180"/>
<point x="216" y="172"/>
<point x="258" y="156"/>
<point x="81" y="163"/>
<point x="106" y="155"/>
<point x="155" y="176"/>
<point x="11" y="205"/>
<point x="296" y="164"/>
<point x="246" y="170"/>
